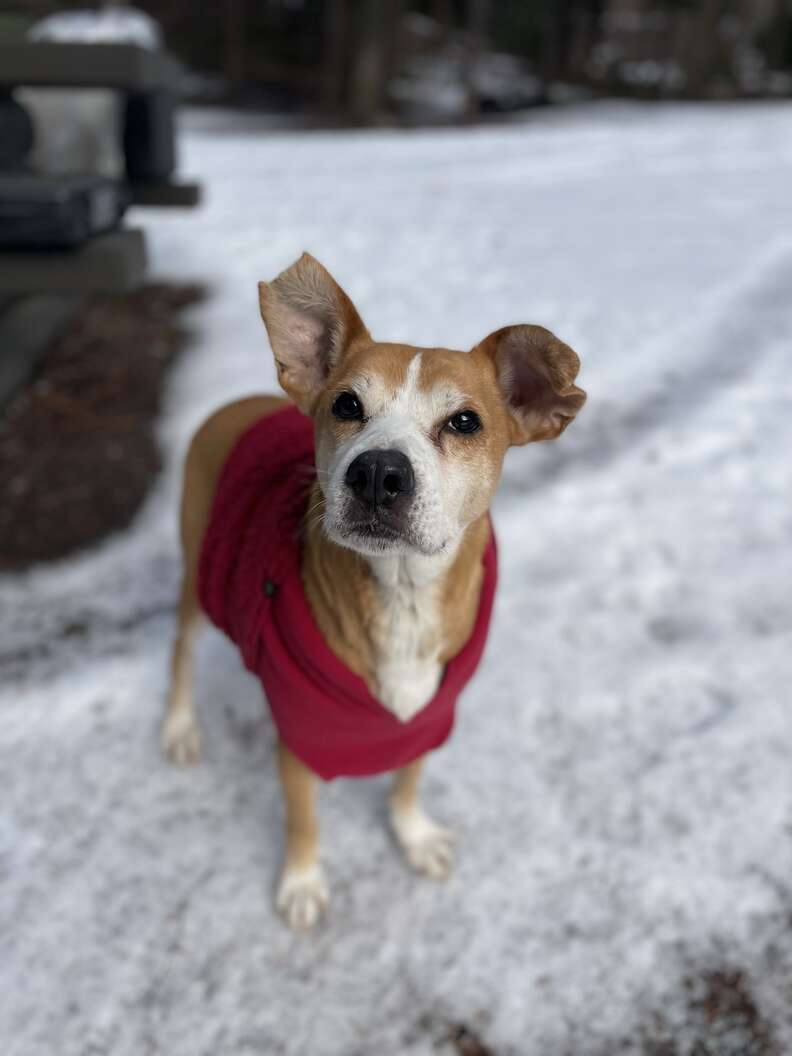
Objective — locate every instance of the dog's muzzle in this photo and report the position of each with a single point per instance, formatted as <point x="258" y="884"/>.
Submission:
<point x="381" y="479"/>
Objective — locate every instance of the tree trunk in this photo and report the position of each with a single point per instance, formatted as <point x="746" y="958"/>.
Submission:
<point x="334" y="55"/>
<point x="374" y="53"/>
<point x="478" y="12"/>
<point x="556" y="40"/>
<point x="234" y="41"/>
<point x="702" y="51"/>
<point x="443" y="13"/>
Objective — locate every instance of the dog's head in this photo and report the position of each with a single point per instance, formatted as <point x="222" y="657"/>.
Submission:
<point x="409" y="441"/>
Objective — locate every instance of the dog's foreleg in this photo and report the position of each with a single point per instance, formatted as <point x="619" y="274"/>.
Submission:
<point x="428" y="847"/>
<point x="180" y="736"/>
<point x="302" y="891"/>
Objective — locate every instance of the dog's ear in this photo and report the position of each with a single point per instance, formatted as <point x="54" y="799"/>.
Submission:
<point x="310" y="322"/>
<point x="536" y="374"/>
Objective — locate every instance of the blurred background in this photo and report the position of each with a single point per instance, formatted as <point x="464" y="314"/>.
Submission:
<point x="369" y="61"/>
<point x="616" y="170"/>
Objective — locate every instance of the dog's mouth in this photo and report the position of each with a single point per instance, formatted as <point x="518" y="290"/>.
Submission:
<point x="376" y="531"/>
<point x="372" y="531"/>
<point x="373" y="535"/>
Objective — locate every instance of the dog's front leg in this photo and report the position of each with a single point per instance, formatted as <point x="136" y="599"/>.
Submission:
<point x="302" y="891"/>
<point x="180" y="735"/>
<point x="429" y="847"/>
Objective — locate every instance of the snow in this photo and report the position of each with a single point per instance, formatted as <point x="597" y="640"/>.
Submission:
<point x="126" y="25"/>
<point x="620" y="776"/>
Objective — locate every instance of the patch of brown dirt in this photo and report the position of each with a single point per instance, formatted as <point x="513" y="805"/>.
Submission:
<point x="449" y="1037"/>
<point x="77" y="447"/>
<point x="723" y="1020"/>
<point x="466" y="1041"/>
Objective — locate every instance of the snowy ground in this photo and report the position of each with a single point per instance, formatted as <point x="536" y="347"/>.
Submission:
<point x="621" y="775"/>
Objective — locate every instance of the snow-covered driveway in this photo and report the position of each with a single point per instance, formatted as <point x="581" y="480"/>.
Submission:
<point x="621" y="776"/>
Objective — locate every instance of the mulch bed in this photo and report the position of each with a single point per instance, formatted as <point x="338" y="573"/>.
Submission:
<point x="77" y="448"/>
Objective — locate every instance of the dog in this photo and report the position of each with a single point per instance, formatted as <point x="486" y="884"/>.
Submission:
<point x="341" y="537"/>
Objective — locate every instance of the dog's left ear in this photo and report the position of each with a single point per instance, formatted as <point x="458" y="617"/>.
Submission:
<point x="535" y="373"/>
<point x="311" y="322"/>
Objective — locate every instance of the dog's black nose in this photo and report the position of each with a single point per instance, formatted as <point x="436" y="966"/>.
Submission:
<point x="378" y="478"/>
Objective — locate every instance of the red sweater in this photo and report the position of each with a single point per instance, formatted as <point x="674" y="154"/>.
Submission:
<point x="250" y="586"/>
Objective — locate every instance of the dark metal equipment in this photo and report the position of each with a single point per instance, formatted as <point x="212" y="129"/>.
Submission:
<point x="44" y="212"/>
<point x="60" y="236"/>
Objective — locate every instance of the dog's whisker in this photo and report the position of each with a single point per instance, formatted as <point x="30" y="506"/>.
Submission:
<point x="312" y="509"/>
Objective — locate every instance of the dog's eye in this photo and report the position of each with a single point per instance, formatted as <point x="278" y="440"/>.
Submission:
<point x="347" y="406"/>
<point x="465" y="422"/>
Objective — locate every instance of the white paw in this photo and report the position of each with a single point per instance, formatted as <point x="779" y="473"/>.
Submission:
<point x="302" y="897"/>
<point x="180" y="738"/>
<point x="429" y="847"/>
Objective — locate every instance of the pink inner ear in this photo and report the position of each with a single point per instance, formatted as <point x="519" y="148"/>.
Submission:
<point x="304" y="347"/>
<point x="526" y="387"/>
<point x="536" y="373"/>
<point x="308" y="338"/>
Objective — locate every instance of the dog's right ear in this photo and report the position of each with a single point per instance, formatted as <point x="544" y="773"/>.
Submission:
<point x="311" y="322"/>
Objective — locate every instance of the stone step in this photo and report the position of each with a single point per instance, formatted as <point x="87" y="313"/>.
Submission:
<point x="111" y="263"/>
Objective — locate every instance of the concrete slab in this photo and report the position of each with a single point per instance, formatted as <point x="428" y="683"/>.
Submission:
<point x="27" y="326"/>
<point x="111" y="263"/>
<point x="124" y="66"/>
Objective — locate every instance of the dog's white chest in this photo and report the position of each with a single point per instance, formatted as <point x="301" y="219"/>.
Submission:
<point x="407" y="636"/>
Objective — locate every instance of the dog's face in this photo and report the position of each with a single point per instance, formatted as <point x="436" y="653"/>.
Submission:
<point x="409" y="447"/>
<point x="409" y="441"/>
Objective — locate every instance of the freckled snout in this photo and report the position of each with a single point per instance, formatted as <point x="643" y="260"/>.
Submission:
<point x="380" y="478"/>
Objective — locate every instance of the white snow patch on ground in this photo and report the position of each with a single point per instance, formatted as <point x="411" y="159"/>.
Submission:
<point x="620" y="776"/>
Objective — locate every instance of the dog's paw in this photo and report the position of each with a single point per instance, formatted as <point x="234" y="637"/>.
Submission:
<point x="428" y="847"/>
<point x="302" y="897"/>
<point x="180" y="738"/>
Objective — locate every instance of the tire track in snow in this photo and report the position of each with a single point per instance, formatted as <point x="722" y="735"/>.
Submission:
<point x="699" y="360"/>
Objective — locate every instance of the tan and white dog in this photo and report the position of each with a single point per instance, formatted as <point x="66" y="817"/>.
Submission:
<point x="391" y="556"/>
